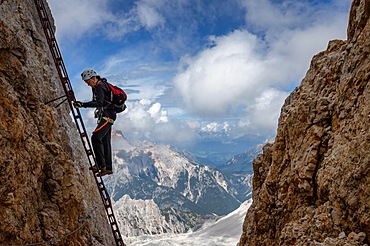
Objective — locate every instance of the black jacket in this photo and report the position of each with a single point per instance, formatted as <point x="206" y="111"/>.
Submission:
<point x="101" y="100"/>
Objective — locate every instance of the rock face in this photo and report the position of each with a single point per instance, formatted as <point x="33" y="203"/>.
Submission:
<point x="312" y="186"/>
<point x="45" y="184"/>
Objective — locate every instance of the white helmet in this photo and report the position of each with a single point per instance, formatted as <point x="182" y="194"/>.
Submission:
<point x="88" y="73"/>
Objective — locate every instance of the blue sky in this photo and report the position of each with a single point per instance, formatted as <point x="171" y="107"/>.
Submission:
<point x="196" y="68"/>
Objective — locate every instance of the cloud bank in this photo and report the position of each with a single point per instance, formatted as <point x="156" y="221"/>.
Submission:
<point x="254" y="73"/>
<point x="196" y="67"/>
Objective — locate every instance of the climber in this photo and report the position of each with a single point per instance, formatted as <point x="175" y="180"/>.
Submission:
<point x="101" y="136"/>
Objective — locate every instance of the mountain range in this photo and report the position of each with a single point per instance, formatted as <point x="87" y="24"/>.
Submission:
<point x="171" y="189"/>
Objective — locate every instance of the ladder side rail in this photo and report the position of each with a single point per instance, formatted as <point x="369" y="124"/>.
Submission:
<point x="76" y="112"/>
<point x="109" y="210"/>
<point x="48" y="30"/>
<point x="62" y="70"/>
<point x="84" y="138"/>
<point x="77" y="117"/>
<point x="113" y="222"/>
<point x="52" y="44"/>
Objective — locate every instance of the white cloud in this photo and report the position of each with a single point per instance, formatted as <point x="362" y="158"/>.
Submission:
<point x="215" y="127"/>
<point x="273" y="17"/>
<point x="256" y="73"/>
<point x="245" y="74"/>
<point x="264" y="15"/>
<point x="148" y="15"/>
<point x="156" y="112"/>
<point x="79" y="18"/>
<point x="147" y="120"/>
<point x="222" y="76"/>
<point x="264" y="113"/>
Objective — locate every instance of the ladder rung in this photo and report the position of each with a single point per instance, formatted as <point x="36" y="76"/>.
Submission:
<point x="58" y="60"/>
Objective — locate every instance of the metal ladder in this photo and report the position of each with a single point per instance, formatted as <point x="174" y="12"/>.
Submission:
<point x="62" y="71"/>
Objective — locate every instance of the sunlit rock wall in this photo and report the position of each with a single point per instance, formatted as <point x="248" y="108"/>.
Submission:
<point x="312" y="186"/>
<point x="45" y="184"/>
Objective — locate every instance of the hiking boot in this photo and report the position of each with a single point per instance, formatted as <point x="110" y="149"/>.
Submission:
<point x="102" y="171"/>
<point x="105" y="172"/>
<point x="94" y="168"/>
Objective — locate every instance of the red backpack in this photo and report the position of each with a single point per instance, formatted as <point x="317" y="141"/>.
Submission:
<point x="118" y="96"/>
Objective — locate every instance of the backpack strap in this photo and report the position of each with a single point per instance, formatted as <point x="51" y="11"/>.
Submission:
<point x="104" y="82"/>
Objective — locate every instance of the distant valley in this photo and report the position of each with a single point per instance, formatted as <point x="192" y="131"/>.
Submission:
<point x="159" y="189"/>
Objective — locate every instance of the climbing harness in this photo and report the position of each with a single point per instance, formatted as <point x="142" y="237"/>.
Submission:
<point x="62" y="71"/>
<point x="107" y="120"/>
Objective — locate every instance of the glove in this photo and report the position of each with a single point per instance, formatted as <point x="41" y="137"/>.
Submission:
<point x="78" y="104"/>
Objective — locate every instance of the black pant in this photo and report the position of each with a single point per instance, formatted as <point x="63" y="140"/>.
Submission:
<point x="101" y="142"/>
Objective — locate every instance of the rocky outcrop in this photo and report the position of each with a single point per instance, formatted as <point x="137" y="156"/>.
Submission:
<point x="46" y="190"/>
<point x="312" y="186"/>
